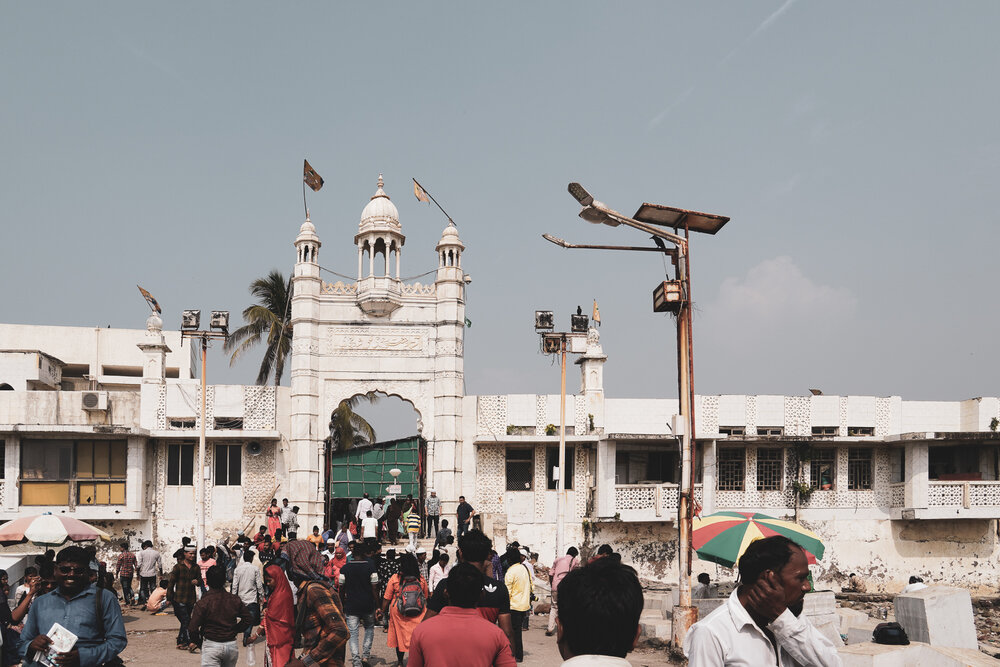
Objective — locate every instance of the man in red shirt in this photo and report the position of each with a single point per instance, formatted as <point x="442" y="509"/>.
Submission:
<point x="481" y="643"/>
<point x="560" y="569"/>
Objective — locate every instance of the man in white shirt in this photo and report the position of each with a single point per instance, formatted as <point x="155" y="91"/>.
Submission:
<point x="369" y="527"/>
<point x="286" y="515"/>
<point x="365" y="506"/>
<point x="916" y="583"/>
<point x="760" y="624"/>
<point x="599" y="609"/>
<point x="331" y="547"/>
<point x="248" y="586"/>
<point x="149" y="565"/>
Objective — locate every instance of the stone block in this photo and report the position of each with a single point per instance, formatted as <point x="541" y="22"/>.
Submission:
<point x="850" y="618"/>
<point x="861" y="632"/>
<point x="873" y="655"/>
<point x="707" y="605"/>
<point x="820" y="603"/>
<point x="659" y="601"/>
<point x="656" y="629"/>
<point x="939" y="616"/>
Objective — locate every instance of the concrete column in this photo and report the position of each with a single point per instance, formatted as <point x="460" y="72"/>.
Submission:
<point x="709" y="480"/>
<point x="12" y="472"/>
<point x="135" y="475"/>
<point x="916" y="475"/>
<point x="605" y="502"/>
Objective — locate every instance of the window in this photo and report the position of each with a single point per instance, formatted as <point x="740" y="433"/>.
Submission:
<point x="98" y="463"/>
<point x="552" y="461"/>
<point x="860" y="430"/>
<point x="770" y="469"/>
<point x="732" y="430"/>
<point x="822" y="468"/>
<point x="825" y="431"/>
<point x="520" y="469"/>
<point x="731" y="469"/>
<point x="897" y="465"/>
<point x="183" y="422"/>
<point x="770" y="430"/>
<point x="228" y="423"/>
<point x="644" y="464"/>
<point x="180" y="464"/>
<point x="228" y="462"/>
<point x="68" y="472"/>
<point x="859" y="468"/>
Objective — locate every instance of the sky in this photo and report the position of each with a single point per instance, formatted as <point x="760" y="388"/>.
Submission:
<point x="854" y="145"/>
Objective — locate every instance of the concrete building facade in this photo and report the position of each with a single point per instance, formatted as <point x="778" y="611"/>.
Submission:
<point x="102" y="425"/>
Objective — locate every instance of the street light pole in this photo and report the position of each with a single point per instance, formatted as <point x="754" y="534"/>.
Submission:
<point x="678" y="300"/>
<point x="561" y="481"/>
<point x="190" y="321"/>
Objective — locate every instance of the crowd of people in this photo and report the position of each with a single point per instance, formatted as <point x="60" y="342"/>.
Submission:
<point x="310" y="598"/>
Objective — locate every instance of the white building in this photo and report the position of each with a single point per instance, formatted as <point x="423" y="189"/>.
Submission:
<point x="102" y="424"/>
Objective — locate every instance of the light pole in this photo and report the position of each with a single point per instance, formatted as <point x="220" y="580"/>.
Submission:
<point x="219" y="328"/>
<point x="553" y="343"/>
<point x="670" y="296"/>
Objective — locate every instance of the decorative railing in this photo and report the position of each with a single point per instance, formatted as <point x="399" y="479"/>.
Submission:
<point x="963" y="494"/>
<point x="897" y="495"/>
<point x="650" y="501"/>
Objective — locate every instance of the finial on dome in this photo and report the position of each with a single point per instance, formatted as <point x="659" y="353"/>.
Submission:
<point x="307" y="215"/>
<point x="381" y="183"/>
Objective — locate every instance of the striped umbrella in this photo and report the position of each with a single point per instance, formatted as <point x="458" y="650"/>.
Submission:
<point x="724" y="536"/>
<point x="48" y="530"/>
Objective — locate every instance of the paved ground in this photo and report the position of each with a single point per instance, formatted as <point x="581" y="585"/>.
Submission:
<point x="151" y="641"/>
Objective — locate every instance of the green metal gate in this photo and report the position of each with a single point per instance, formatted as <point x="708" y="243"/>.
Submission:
<point x="366" y="469"/>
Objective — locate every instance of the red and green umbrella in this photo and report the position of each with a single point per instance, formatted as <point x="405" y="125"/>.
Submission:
<point x="49" y="530"/>
<point x="724" y="536"/>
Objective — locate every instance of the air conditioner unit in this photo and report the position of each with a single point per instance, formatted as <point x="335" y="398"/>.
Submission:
<point x="94" y="400"/>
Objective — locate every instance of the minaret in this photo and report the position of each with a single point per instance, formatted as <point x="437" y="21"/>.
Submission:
<point x="379" y="233"/>
<point x="449" y="370"/>
<point x="592" y="377"/>
<point x="154" y="371"/>
<point x="305" y="443"/>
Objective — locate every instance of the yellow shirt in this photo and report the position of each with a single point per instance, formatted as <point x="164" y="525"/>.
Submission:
<point x="518" y="583"/>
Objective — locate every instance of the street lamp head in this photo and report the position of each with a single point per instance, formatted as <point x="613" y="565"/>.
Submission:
<point x="190" y="319"/>
<point x="580" y="194"/>
<point x="596" y="216"/>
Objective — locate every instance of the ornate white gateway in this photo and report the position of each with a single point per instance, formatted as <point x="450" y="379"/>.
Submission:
<point x="377" y="334"/>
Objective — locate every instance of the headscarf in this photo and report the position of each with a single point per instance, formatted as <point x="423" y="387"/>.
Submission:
<point x="280" y="612"/>
<point x="304" y="562"/>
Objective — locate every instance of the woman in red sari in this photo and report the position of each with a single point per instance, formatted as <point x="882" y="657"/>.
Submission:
<point x="278" y="623"/>
<point x="273" y="517"/>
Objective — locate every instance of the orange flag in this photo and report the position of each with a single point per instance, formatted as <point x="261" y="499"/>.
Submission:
<point x="311" y="177"/>
<point x="419" y="193"/>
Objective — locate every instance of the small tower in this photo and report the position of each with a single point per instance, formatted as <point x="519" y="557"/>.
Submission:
<point x="307" y="246"/>
<point x="154" y="370"/>
<point x="380" y="241"/>
<point x="449" y="250"/>
<point x="592" y="377"/>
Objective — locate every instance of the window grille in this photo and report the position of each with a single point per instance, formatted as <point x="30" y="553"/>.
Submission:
<point x="228" y="423"/>
<point x="826" y="430"/>
<point x="859" y="468"/>
<point x="182" y="422"/>
<point x="520" y="469"/>
<point x="823" y="468"/>
<point x="732" y="430"/>
<point x="770" y="469"/>
<point x="228" y="468"/>
<point x="860" y="430"/>
<point x="770" y="430"/>
<point x="731" y="469"/>
<point x="180" y="464"/>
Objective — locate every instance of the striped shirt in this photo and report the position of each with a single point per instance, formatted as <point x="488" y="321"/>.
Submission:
<point x="413" y="523"/>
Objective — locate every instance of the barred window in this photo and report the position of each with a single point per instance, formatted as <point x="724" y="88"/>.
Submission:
<point x="180" y="464"/>
<point x="823" y="468"/>
<point x="228" y="465"/>
<point x="859" y="468"/>
<point x="770" y="469"/>
<point x="731" y="469"/>
<point x="520" y="469"/>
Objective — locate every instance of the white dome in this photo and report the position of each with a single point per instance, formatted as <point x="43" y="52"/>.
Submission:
<point x="449" y="238"/>
<point x="380" y="208"/>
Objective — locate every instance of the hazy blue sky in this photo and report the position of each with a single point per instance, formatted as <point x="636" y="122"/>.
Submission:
<point x="855" y="145"/>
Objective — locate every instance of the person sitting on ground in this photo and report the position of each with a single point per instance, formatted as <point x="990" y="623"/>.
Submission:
<point x="855" y="584"/>
<point x="703" y="589"/>
<point x="916" y="583"/>
<point x="482" y="643"/>
<point x="763" y="614"/>
<point x="599" y="609"/>
<point x="157" y="601"/>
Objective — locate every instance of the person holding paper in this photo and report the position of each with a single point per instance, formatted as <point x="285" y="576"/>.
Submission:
<point x="97" y="623"/>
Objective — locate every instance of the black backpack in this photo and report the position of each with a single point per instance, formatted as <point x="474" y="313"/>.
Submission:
<point x="890" y="633"/>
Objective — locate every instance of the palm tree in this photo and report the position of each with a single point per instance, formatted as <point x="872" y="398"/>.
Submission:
<point x="349" y="429"/>
<point x="270" y="319"/>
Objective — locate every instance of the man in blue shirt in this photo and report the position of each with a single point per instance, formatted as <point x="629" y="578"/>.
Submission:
<point x="73" y="605"/>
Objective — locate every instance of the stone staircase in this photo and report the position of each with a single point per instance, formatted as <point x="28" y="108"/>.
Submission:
<point x="655" y="620"/>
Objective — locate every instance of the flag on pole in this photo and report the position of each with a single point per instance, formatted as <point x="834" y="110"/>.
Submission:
<point x="597" y="313"/>
<point x="150" y="300"/>
<point x="311" y="177"/>
<point x="419" y="193"/>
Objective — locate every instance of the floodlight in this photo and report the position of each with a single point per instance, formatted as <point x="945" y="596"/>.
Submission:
<point x="190" y="319"/>
<point x="220" y="319"/>
<point x="579" y="323"/>
<point x="544" y="320"/>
